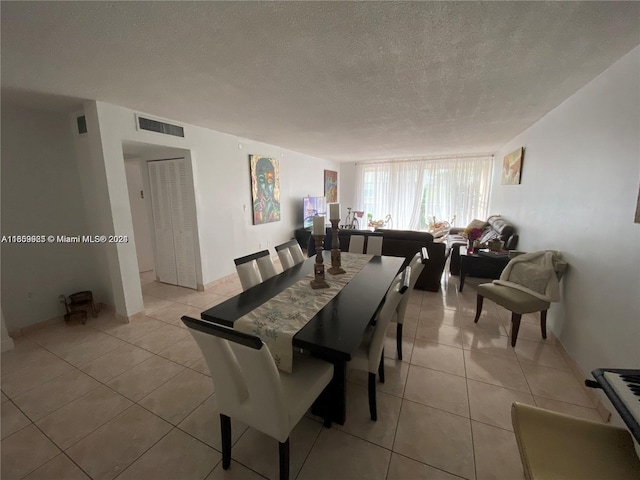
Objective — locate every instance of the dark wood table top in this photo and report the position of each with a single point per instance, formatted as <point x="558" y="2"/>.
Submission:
<point x="336" y="331"/>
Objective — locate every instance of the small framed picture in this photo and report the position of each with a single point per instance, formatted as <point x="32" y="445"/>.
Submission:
<point x="512" y="168"/>
<point x="331" y="186"/>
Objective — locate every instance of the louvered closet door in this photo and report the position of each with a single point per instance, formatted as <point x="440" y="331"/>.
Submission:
<point x="182" y="210"/>
<point x="174" y="219"/>
<point x="161" y="206"/>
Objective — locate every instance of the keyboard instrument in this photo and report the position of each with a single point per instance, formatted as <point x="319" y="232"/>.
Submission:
<point x="622" y="387"/>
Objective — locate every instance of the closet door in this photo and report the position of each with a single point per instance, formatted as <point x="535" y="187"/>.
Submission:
<point x="182" y="213"/>
<point x="163" y="228"/>
<point x="172" y="198"/>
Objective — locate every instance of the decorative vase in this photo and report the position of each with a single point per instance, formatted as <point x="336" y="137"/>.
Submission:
<point x="470" y="247"/>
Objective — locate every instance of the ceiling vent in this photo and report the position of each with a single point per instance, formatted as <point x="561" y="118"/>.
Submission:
<point x="159" y="127"/>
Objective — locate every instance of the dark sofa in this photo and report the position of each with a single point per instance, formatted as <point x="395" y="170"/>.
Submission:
<point x="496" y="227"/>
<point x="398" y="243"/>
<point x="406" y="243"/>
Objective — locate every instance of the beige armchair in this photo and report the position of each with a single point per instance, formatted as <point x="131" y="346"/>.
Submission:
<point x="528" y="284"/>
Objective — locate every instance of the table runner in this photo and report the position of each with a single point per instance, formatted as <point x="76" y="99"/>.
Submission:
<point x="277" y="320"/>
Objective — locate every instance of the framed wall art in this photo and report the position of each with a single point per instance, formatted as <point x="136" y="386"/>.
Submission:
<point x="265" y="189"/>
<point x="512" y="167"/>
<point x="637" y="217"/>
<point x="331" y="186"/>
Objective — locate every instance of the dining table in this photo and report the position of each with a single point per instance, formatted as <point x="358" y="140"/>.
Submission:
<point x="337" y="329"/>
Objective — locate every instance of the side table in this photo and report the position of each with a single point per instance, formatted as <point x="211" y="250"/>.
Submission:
<point x="474" y="265"/>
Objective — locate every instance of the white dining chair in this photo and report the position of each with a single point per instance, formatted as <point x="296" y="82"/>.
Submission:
<point x="254" y="269"/>
<point x="249" y="387"/>
<point x="356" y="244"/>
<point x="290" y="254"/>
<point x="374" y="245"/>
<point x="417" y="265"/>
<point x="369" y="356"/>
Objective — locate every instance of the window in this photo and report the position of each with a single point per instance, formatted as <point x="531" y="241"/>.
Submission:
<point x="414" y="191"/>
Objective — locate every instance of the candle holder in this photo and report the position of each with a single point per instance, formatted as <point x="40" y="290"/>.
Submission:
<point x="318" y="268"/>
<point x="336" y="265"/>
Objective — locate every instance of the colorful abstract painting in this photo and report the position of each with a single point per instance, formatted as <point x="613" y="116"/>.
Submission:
<point x="265" y="189"/>
<point x="331" y="186"/>
<point x="512" y="168"/>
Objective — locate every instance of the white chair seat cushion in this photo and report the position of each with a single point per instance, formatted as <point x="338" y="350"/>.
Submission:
<point x="303" y="385"/>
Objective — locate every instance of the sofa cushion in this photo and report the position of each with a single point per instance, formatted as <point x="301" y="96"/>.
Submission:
<point x="475" y="223"/>
<point x="406" y="243"/>
<point x="488" y="234"/>
<point x="504" y="229"/>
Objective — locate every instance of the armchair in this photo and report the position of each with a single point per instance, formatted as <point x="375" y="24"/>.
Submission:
<point x="528" y="284"/>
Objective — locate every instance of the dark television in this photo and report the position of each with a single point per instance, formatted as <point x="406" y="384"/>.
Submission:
<point x="313" y="206"/>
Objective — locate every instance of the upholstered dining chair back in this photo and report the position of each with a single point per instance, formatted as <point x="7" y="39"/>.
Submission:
<point x="249" y="274"/>
<point x="250" y="388"/>
<point x="391" y="302"/>
<point x="369" y="356"/>
<point x="254" y="269"/>
<point x="417" y="264"/>
<point x="356" y="244"/>
<point x="266" y="267"/>
<point x="290" y="254"/>
<point x="374" y="245"/>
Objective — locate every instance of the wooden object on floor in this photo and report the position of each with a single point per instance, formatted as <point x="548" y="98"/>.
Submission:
<point x="77" y="304"/>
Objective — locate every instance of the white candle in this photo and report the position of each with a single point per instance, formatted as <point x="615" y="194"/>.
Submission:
<point x="334" y="211"/>
<point x="318" y="225"/>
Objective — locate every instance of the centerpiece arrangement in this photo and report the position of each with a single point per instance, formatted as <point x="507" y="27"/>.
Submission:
<point x="386" y="223"/>
<point x="473" y="235"/>
<point x="440" y="228"/>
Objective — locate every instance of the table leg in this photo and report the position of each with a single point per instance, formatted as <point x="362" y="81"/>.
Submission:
<point x="462" y="275"/>
<point x="336" y="393"/>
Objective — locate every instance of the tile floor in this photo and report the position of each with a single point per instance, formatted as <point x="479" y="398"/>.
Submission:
<point x="109" y="400"/>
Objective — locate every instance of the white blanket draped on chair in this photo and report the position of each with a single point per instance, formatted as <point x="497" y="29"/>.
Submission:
<point x="535" y="273"/>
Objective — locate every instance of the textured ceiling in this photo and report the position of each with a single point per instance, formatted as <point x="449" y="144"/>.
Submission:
<point x="340" y="80"/>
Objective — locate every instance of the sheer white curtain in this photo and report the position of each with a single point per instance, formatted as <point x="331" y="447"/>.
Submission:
<point x="391" y="188"/>
<point x="415" y="190"/>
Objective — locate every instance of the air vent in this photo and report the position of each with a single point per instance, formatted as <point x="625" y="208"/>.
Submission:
<point x="82" y="124"/>
<point x="160" y="127"/>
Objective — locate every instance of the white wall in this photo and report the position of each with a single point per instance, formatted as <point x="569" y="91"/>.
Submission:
<point x="579" y="189"/>
<point x="139" y="215"/>
<point x="42" y="195"/>
<point x="7" y="342"/>
<point x="347" y="187"/>
<point x="220" y="165"/>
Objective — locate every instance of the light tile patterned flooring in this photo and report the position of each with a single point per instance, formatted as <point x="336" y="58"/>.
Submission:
<point x="134" y="401"/>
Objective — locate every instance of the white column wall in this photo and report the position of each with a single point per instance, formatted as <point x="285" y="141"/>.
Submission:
<point x="220" y="166"/>
<point x="347" y="187"/>
<point x="580" y="182"/>
<point x="7" y="342"/>
<point x="42" y="195"/>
